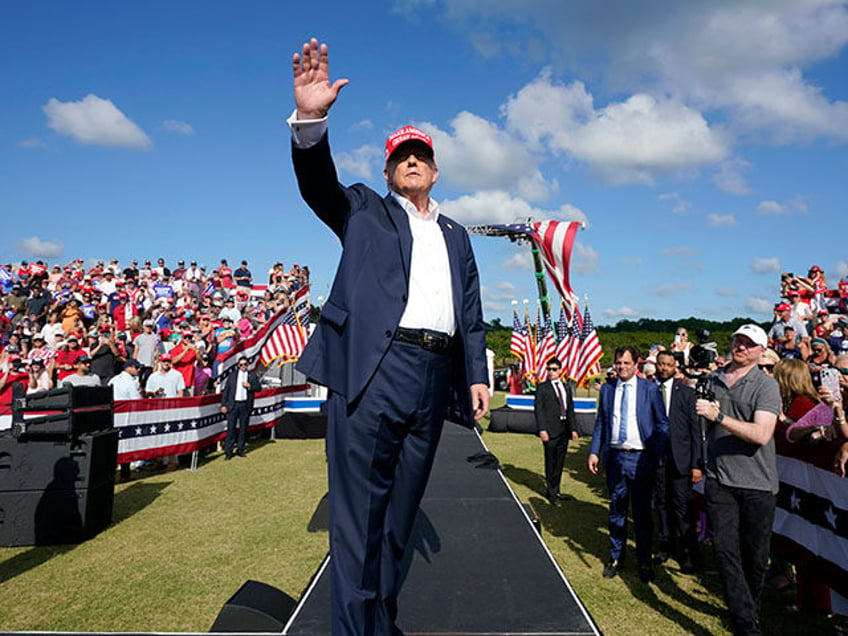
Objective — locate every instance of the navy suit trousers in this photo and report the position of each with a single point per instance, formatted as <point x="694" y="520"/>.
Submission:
<point x="238" y="417"/>
<point x="380" y="450"/>
<point x="630" y="476"/>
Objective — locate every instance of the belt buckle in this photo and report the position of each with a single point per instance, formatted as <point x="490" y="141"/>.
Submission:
<point x="429" y="341"/>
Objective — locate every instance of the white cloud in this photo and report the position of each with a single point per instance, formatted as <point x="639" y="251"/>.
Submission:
<point x="671" y="289"/>
<point x="478" y="155"/>
<point x="634" y="260"/>
<point x="519" y="260"/>
<point x="759" y="305"/>
<point x="361" y="162"/>
<point x="771" y="208"/>
<point x="725" y="292"/>
<point x="765" y="265"/>
<point x="624" y="142"/>
<point x="179" y="127"/>
<point x="730" y="177"/>
<point x="32" y="142"/>
<point x="797" y="205"/>
<point x="679" y="206"/>
<point x="506" y="287"/>
<point x="841" y="269"/>
<point x="721" y="220"/>
<point x="585" y="259"/>
<point x="95" y="121"/>
<point x="363" y="124"/>
<point x="744" y="59"/>
<point x="621" y="312"/>
<point x="496" y="206"/>
<point x="34" y="247"/>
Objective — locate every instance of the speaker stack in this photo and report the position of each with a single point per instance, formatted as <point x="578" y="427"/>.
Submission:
<point x="57" y="467"/>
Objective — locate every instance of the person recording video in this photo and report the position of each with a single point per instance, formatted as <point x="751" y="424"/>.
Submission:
<point x="741" y="469"/>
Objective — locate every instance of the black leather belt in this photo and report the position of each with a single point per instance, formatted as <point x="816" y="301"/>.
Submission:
<point x="434" y="341"/>
<point x="626" y="450"/>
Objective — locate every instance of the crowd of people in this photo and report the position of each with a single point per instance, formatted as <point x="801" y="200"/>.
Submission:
<point x="148" y="330"/>
<point x="794" y="403"/>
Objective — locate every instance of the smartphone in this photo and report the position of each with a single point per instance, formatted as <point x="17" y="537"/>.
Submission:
<point x="829" y="378"/>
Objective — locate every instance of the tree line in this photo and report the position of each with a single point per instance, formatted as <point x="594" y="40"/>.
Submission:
<point x="642" y="334"/>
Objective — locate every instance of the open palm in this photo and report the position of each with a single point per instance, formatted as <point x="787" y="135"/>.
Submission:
<point x="313" y="93"/>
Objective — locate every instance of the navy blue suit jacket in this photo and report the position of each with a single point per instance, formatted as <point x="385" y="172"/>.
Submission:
<point x="369" y="292"/>
<point x="684" y="443"/>
<point x="650" y="416"/>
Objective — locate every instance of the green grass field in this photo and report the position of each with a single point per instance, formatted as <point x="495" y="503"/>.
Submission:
<point x="182" y="543"/>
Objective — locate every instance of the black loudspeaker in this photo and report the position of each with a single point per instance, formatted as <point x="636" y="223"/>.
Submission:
<point x="255" y="607"/>
<point x="54" y="516"/>
<point x="31" y="464"/>
<point x="56" y="492"/>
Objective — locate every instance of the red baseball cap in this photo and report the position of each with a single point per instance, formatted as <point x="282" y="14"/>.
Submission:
<point x="782" y="307"/>
<point x="405" y="134"/>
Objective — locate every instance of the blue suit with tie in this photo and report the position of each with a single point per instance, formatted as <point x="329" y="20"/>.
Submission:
<point x="630" y="473"/>
<point x="388" y="399"/>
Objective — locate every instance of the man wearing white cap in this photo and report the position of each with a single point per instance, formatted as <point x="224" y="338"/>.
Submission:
<point x="401" y="331"/>
<point x="741" y="473"/>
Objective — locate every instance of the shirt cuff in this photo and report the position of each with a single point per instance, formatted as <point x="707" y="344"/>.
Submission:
<point x="306" y="132"/>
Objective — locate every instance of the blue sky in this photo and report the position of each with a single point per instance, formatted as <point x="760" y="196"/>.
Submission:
<point x="704" y="143"/>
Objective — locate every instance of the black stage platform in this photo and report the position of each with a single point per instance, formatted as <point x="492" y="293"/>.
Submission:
<point x="478" y="565"/>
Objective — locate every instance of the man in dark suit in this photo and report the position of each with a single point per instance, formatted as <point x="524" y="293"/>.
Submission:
<point x="556" y="425"/>
<point x="631" y="431"/>
<point x="237" y="403"/>
<point x="401" y="331"/>
<point x="678" y="468"/>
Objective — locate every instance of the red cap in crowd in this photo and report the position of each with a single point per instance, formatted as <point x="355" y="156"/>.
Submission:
<point x="782" y="307"/>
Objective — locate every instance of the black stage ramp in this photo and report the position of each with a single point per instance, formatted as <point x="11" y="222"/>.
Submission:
<point x="477" y="565"/>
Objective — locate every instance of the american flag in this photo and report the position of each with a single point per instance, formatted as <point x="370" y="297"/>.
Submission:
<point x="545" y="348"/>
<point x="562" y="336"/>
<point x="251" y="348"/>
<point x="572" y="356"/>
<point x="287" y="341"/>
<point x="555" y="239"/>
<point x="590" y="351"/>
<point x="518" y="343"/>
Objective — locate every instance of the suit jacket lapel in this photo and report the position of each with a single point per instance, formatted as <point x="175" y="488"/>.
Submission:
<point x="449" y="231"/>
<point x="398" y="217"/>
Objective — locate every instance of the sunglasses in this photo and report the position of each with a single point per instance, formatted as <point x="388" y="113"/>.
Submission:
<point x="553" y="368"/>
<point x="766" y="367"/>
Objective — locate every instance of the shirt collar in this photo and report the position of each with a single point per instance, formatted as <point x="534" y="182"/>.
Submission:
<point x="631" y="382"/>
<point x="411" y="210"/>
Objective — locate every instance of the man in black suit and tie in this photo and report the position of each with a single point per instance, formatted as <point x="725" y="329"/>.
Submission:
<point x="237" y="403"/>
<point x="556" y="425"/>
<point x="678" y="469"/>
<point x="400" y="337"/>
<point x="631" y="430"/>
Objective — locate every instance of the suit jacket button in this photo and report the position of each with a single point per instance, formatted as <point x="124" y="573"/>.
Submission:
<point x="388" y="334"/>
<point x="403" y="298"/>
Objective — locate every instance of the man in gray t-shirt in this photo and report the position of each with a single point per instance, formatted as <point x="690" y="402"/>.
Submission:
<point x="145" y="350"/>
<point x="83" y="375"/>
<point x="742" y="473"/>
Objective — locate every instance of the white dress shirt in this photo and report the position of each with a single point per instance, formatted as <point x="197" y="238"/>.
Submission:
<point x="241" y="392"/>
<point x="634" y="439"/>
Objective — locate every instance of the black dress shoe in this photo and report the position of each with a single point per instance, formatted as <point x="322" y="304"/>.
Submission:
<point x="562" y="497"/>
<point x="611" y="569"/>
<point x="242" y="454"/>
<point x="661" y="557"/>
<point x="227" y="458"/>
<point x="554" y="501"/>
<point x="646" y="573"/>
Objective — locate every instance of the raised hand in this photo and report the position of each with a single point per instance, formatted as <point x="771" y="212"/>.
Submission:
<point x="313" y="93"/>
